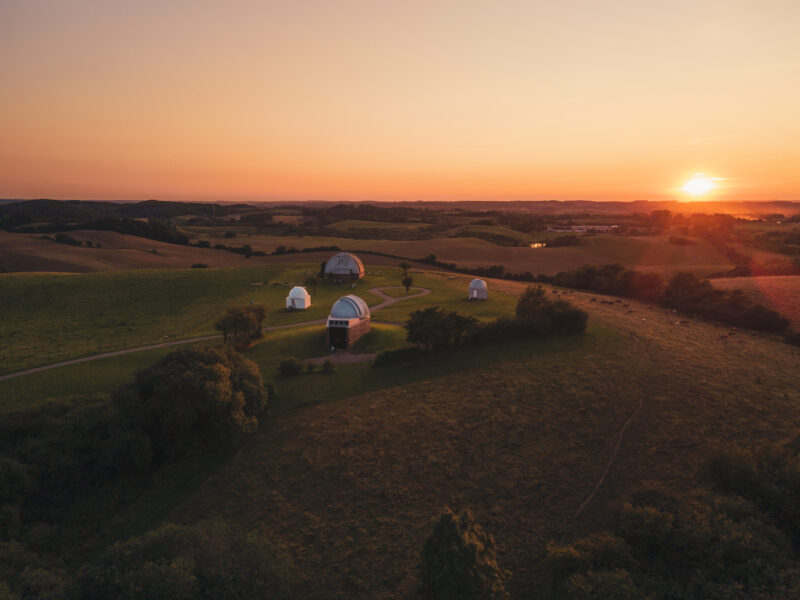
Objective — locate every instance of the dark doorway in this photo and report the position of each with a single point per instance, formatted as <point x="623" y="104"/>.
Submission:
<point x="338" y="337"/>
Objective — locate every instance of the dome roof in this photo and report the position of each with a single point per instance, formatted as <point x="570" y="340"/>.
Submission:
<point x="478" y="284"/>
<point x="298" y="292"/>
<point x="344" y="263"/>
<point x="349" y="307"/>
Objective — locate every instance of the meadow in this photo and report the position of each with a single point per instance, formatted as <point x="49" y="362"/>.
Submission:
<point x="352" y="466"/>
<point x="780" y="293"/>
<point x="55" y="317"/>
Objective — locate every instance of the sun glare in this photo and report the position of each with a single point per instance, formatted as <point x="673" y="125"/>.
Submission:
<point x="699" y="185"/>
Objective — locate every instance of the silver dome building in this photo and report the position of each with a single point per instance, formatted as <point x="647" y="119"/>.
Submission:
<point x="298" y="299"/>
<point x="348" y="322"/>
<point x="478" y="290"/>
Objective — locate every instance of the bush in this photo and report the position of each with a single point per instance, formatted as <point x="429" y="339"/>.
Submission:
<point x="328" y="366"/>
<point x="208" y="560"/>
<point x="291" y="367"/>
<point x="193" y="399"/>
<point x="459" y="562"/>
<point x="63" y="238"/>
<point x="311" y="367"/>
<point x="793" y="337"/>
<point x="387" y="358"/>
<point x="199" y="266"/>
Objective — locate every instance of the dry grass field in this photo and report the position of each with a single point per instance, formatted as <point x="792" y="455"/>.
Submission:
<point x="780" y="293"/>
<point x="519" y="434"/>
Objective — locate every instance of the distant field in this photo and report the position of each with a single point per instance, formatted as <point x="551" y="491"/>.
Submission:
<point x="647" y="253"/>
<point x="780" y="293"/>
<point x="356" y="224"/>
<point x="25" y="252"/>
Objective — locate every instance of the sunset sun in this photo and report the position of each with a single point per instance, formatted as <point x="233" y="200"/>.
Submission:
<point x="699" y="185"/>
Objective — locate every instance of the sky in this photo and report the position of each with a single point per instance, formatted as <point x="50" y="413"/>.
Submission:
<point x="399" y="100"/>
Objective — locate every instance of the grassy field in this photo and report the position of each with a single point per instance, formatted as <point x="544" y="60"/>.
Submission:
<point x="518" y="433"/>
<point x="52" y="317"/>
<point x="353" y="466"/>
<point x="780" y="293"/>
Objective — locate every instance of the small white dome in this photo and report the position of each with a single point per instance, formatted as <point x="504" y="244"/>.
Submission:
<point x="299" y="293"/>
<point x="349" y="307"/>
<point x="345" y="264"/>
<point x="477" y="284"/>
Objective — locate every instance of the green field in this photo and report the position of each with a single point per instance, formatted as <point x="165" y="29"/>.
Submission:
<point x="50" y="318"/>
<point x="352" y="466"/>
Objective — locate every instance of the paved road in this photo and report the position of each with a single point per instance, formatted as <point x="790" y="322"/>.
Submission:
<point x="387" y="301"/>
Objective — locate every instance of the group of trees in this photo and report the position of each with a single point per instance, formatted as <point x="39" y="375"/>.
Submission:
<point x="437" y="329"/>
<point x="62" y="458"/>
<point x="243" y="324"/>
<point x="685" y="292"/>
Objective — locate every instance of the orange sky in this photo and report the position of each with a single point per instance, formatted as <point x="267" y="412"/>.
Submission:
<point x="398" y="100"/>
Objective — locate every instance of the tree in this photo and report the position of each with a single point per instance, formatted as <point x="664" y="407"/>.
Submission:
<point x="242" y="325"/>
<point x="193" y="399"/>
<point x="532" y="302"/>
<point x="439" y="329"/>
<point x="407" y="282"/>
<point x="405" y="265"/>
<point x="310" y="283"/>
<point x="459" y="562"/>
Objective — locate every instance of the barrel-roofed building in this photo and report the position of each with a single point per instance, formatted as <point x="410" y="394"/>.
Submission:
<point x="344" y="267"/>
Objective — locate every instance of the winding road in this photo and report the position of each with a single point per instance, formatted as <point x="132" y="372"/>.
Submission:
<point x="341" y="357"/>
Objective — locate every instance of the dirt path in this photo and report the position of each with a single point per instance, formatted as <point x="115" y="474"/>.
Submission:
<point x="345" y="357"/>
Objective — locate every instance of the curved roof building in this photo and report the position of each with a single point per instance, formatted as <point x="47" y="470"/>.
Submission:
<point x="343" y="265"/>
<point x="349" y="307"/>
<point x="478" y="290"/>
<point x="348" y="322"/>
<point x="298" y="298"/>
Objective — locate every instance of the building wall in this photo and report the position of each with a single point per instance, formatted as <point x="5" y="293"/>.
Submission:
<point x="355" y="331"/>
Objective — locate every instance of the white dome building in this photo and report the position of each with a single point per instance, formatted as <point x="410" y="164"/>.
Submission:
<point x="478" y="290"/>
<point x="344" y="267"/>
<point x="348" y="322"/>
<point x="298" y="299"/>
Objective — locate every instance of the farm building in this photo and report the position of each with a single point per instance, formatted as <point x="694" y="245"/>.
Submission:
<point x="478" y="290"/>
<point x="344" y="267"/>
<point x="298" y="299"/>
<point x="348" y="322"/>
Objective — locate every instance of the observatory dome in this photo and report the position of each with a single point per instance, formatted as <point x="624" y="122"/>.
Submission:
<point x="349" y="307"/>
<point x="344" y="264"/>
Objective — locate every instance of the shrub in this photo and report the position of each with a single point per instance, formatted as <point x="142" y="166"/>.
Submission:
<point x="328" y="366"/>
<point x="459" y="562"/>
<point x="291" y="367"/>
<point x="792" y="337"/>
<point x="63" y="238"/>
<point x="193" y="399"/>
<point x="388" y="358"/>
<point x="199" y="266"/>
<point x="208" y="560"/>
<point x="311" y="367"/>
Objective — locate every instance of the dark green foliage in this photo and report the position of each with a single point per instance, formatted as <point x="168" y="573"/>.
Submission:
<point x="242" y="325"/>
<point x="193" y="399"/>
<point x="199" y="266"/>
<point x="691" y="295"/>
<point x="459" y="562"/>
<point x="439" y="329"/>
<point x="740" y="541"/>
<point x="388" y="358"/>
<point x="792" y="337"/>
<point x="209" y="560"/>
<point x="563" y="240"/>
<point x="15" y="483"/>
<point x="291" y="367"/>
<point x="407" y="282"/>
<point x="613" y="279"/>
<point x="328" y="367"/>
<point x="63" y="238"/>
